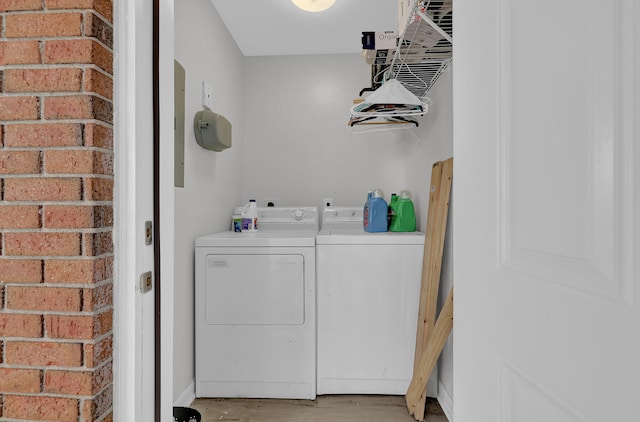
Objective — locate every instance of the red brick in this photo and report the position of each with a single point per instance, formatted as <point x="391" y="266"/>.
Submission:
<point x="98" y="82"/>
<point x="78" y="51"/>
<point x="76" y="271"/>
<point x="95" y="26"/>
<point x="68" y="107"/>
<point x="19" y="380"/>
<point x="105" y="8"/>
<point x="78" y="107"/>
<point x="103" y="376"/>
<point x="42" y="80"/>
<point x="69" y="327"/>
<point x="99" y="405"/>
<point x="13" y="5"/>
<point x="19" y="217"/>
<point x="20" y="325"/>
<point x="41" y="408"/>
<point x="108" y="267"/>
<point x="43" y="299"/>
<point x="20" y="271"/>
<point x="69" y="4"/>
<point x="97" y="353"/>
<point x="19" y="52"/>
<point x="96" y="135"/>
<point x="95" y="244"/>
<point x="44" y="135"/>
<point x="25" y="25"/>
<point x="39" y="353"/>
<point x="79" y="383"/>
<point x="18" y="108"/>
<point x="98" y="189"/>
<point x="19" y="162"/>
<point x="80" y="327"/>
<point x="42" y="244"/>
<point x="42" y="189"/>
<point x="78" y="162"/>
<point x="97" y="298"/>
<point x="68" y="216"/>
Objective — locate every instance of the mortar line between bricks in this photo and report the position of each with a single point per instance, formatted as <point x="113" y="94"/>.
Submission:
<point x="51" y="94"/>
<point x="60" y="340"/>
<point x="47" y="338"/>
<point x="58" y="258"/>
<point x="60" y="148"/>
<point x="84" y="285"/>
<point x="55" y="121"/>
<point x="47" y="66"/>
<point x="82" y="230"/>
<point x="57" y="203"/>
<point x="80" y="37"/>
<point x="54" y="313"/>
<point x="58" y="176"/>
<point x="100" y="70"/>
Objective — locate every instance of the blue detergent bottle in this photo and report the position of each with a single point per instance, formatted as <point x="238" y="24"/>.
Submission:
<point x="365" y="211"/>
<point x="375" y="213"/>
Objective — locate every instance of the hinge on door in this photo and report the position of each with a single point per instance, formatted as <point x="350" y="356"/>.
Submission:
<point x="148" y="232"/>
<point x="146" y="282"/>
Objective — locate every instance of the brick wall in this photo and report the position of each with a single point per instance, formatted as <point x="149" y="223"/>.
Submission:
<point x="56" y="215"/>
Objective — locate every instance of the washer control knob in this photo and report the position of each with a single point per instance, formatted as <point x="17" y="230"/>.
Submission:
<point x="298" y="214"/>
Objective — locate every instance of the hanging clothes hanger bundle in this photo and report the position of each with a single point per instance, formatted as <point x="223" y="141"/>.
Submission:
<point x="387" y="108"/>
<point x="391" y="99"/>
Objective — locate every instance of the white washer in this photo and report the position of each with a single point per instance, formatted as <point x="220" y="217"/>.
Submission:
<point x="368" y="290"/>
<point x="255" y="308"/>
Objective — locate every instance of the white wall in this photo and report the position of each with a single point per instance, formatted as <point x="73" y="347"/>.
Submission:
<point x="213" y="180"/>
<point x="298" y="147"/>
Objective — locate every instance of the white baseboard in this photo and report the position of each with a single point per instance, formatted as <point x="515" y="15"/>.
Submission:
<point x="188" y="395"/>
<point x="446" y="402"/>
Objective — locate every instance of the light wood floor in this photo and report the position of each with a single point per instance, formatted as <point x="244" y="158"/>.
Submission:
<point x="347" y="408"/>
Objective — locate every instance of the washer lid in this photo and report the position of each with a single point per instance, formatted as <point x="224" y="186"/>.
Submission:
<point x="281" y="238"/>
<point x="357" y="236"/>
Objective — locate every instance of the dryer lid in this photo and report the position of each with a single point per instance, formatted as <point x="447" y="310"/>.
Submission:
<point x="262" y="238"/>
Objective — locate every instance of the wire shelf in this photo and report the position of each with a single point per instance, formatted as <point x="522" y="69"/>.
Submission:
<point x="424" y="51"/>
<point x="425" y="48"/>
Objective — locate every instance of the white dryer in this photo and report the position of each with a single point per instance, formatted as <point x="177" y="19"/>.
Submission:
<point x="255" y="308"/>
<point x="368" y="290"/>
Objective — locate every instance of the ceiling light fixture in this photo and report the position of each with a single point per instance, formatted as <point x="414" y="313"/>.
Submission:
<point x="314" y="5"/>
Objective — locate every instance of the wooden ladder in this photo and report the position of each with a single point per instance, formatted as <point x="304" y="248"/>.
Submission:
<point x="432" y="334"/>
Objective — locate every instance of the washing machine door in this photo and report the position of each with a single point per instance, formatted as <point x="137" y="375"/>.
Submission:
<point x="254" y="289"/>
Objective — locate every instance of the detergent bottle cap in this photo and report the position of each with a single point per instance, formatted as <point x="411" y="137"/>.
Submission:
<point x="378" y="193"/>
<point x="405" y="194"/>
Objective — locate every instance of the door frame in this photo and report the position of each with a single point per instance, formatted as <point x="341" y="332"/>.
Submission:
<point x="126" y="357"/>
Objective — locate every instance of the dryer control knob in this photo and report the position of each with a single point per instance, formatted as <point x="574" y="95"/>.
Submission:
<point x="298" y="214"/>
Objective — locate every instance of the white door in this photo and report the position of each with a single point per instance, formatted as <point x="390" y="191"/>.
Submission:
<point x="145" y="302"/>
<point x="547" y="211"/>
<point x="134" y="343"/>
<point x="134" y="347"/>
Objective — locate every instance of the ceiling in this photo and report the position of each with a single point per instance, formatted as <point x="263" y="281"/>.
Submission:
<point x="277" y="27"/>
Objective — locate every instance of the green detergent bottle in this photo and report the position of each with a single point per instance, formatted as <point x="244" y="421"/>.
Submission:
<point x="405" y="216"/>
